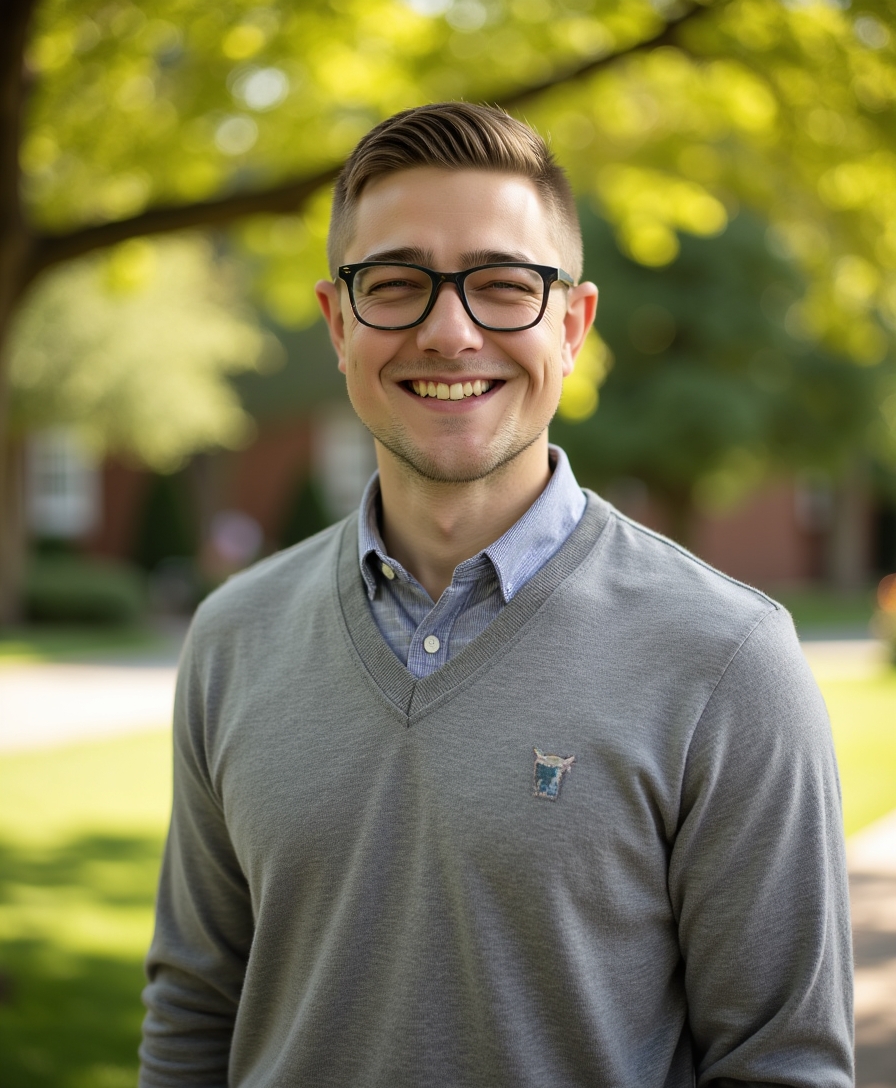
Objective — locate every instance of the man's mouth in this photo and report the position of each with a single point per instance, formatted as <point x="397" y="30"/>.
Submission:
<point x="455" y="391"/>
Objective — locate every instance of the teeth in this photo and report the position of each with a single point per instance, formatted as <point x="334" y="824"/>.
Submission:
<point x="456" y="391"/>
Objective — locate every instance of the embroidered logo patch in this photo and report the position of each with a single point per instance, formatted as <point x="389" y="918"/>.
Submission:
<point x="549" y="772"/>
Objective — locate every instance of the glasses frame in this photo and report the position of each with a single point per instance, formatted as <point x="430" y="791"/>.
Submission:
<point x="549" y="276"/>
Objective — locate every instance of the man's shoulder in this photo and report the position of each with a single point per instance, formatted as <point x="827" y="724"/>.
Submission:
<point x="655" y="582"/>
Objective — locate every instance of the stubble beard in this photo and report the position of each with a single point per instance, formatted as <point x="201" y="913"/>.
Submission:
<point x="504" y="448"/>
<point x="493" y="457"/>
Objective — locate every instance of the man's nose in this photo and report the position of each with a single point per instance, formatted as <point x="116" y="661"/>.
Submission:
<point x="448" y="329"/>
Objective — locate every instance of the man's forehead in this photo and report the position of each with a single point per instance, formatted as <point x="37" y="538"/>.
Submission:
<point x="413" y="214"/>
<point x="426" y="255"/>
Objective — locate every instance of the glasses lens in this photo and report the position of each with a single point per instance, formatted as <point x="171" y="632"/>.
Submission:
<point x="505" y="296"/>
<point x="391" y="295"/>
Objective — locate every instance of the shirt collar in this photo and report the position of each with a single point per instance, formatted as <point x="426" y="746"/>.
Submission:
<point x="539" y="532"/>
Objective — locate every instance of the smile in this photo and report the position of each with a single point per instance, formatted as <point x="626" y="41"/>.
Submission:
<point x="456" y="391"/>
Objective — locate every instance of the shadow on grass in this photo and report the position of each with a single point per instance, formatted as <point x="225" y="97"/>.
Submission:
<point x="71" y="1019"/>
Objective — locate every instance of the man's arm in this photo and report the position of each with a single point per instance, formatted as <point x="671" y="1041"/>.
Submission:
<point x="757" y="877"/>
<point x="197" y="960"/>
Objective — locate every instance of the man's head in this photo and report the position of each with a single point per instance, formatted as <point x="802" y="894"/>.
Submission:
<point x="464" y="384"/>
<point x="456" y="136"/>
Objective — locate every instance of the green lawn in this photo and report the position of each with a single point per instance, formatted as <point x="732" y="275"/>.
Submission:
<point x="81" y="831"/>
<point x="863" y="716"/>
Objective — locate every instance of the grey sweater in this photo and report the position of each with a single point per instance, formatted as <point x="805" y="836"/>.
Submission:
<point x="375" y="880"/>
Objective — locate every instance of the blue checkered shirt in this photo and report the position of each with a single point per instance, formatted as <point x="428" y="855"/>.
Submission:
<point x="424" y="634"/>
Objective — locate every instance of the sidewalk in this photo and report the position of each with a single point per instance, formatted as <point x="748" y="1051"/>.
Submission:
<point x="871" y="856"/>
<point x="48" y="704"/>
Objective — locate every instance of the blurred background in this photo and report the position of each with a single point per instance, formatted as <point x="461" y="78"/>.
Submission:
<point x="170" y="408"/>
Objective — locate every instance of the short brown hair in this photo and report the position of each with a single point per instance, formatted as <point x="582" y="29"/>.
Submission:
<point x="456" y="136"/>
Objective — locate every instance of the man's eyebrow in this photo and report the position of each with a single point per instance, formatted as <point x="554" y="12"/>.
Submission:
<point x="404" y="255"/>
<point x="475" y="257"/>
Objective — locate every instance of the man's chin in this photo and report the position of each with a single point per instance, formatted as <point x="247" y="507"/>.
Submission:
<point x="450" y="466"/>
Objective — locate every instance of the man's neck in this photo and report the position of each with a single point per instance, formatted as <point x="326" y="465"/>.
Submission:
<point x="431" y="527"/>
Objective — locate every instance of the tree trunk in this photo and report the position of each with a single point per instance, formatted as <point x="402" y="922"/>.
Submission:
<point x="12" y="520"/>
<point x="13" y="537"/>
<point x="15" y="252"/>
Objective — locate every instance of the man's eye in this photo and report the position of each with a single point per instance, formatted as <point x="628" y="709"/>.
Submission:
<point x="391" y="285"/>
<point x="505" y="285"/>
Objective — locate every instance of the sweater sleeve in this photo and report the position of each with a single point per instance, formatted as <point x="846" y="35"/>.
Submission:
<point x="197" y="960"/>
<point x="757" y="877"/>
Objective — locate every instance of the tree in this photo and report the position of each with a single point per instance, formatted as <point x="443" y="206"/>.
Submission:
<point x="133" y="348"/>
<point x="119" y="120"/>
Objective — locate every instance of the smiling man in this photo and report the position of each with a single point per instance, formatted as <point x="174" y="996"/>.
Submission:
<point x="488" y="785"/>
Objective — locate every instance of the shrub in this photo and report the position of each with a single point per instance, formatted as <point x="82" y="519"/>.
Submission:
<point x="77" y="589"/>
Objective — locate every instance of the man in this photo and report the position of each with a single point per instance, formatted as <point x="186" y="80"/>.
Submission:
<point x="490" y="786"/>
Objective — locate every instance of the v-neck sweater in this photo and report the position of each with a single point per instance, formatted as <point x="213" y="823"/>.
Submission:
<point x="368" y="882"/>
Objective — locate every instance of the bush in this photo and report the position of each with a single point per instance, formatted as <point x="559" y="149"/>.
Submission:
<point x="76" y="589"/>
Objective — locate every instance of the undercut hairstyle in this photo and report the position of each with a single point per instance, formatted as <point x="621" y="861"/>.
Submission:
<point x="456" y="136"/>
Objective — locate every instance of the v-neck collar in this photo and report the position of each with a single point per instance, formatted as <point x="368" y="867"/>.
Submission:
<point x="411" y="698"/>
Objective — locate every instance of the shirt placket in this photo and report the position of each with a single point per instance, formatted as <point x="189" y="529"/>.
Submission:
<point x="430" y="643"/>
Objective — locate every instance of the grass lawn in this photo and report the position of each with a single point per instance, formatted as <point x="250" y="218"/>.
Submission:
<point x="81" y="831"/>
<point x="863" y="716"/>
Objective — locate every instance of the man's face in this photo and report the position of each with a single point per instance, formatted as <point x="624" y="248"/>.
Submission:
<point x="448" y="221"/>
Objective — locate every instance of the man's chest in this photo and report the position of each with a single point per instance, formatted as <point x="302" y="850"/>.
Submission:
<point x="540" y="795"/>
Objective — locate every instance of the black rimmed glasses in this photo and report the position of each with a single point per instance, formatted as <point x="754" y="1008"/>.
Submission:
<point x="501" y="297"/>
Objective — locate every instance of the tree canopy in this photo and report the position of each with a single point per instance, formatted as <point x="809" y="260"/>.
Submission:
<point x="120" y="120"/>
<point x="784" y="108"/>
<point x="710" y="394"/>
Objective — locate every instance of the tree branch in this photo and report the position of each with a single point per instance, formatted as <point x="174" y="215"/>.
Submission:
<point x="666" y="36"/>
<point x="289" y="197"/>
<point x="52" y="249"/>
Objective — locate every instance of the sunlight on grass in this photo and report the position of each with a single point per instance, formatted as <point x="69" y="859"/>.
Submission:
<point x="863" y="717"/>
<point x="116" y="787"/>
<point x="81" y="832"/>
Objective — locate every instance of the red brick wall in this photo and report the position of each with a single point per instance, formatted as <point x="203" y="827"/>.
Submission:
<point x="266" y="475"/>
<point x="761" y="543"/>
<point x="123" y="493"/>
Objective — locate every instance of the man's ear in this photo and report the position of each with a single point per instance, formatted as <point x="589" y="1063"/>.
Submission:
<point x="328" y="298"/>
<point x="580" y="311"/>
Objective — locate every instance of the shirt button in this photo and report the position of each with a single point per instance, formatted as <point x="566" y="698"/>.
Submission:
<point x="387" y="570"/>
<point x="431" y="644"/>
